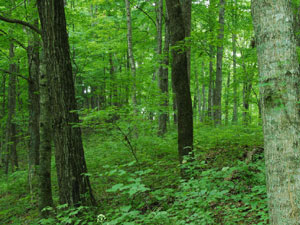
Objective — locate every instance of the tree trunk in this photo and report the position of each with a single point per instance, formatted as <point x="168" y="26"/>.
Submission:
<point x="197" y="96"/>
<point x="217" y="98"/>
<point x="210" y="85"/>
<point x="247" y="87"/>
<point x="74" y="185"/>
<point x="180" y="80"/>
<point x="162" y="74"/>
<point x="187" y="15"/>
<point x="45" y="192"/>
<point x="130" y="52"/>
<point x="3" y="111"/>
<point x="280" y="80"/>
<point x="34" y="108"/>
<point x="235" y="83"/>
<point x="227" y="99"/>
<point x="10" y="153"/>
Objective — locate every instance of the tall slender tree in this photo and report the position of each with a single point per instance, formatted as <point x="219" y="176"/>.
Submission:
<point x="180" y="79"/>
<point x="130" y="51"/>
<point x="217" y="96"/>
<point x="235" y="82"/>
<point x="10" y="154"/>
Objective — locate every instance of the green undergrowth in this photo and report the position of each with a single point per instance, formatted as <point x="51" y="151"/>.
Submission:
<point x="136" y="179"/>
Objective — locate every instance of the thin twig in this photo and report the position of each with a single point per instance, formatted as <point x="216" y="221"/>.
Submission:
<point x="128" y="143"/>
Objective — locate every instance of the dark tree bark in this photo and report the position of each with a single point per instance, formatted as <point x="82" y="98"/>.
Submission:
<point x="3" y="111"/>
<point x="187" y="15"/>
<point x="11" y="140"/>
<point x="217" y="98"/>
<point x="180" y="79"/>
<point x="45" y="192"/>
<point x="74" y="185"/>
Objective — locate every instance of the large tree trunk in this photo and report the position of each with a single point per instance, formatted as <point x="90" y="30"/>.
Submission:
<point x="217" y="98"/>
<point x="130" y="52"/>
<point x="280" y="80"/>
<point x="74" y="185"/>
<point x="180" y="80"/>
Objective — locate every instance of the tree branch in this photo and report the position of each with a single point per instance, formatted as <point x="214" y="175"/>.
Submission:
<point x="19" y="43"/>
<point x="146" y="15"/>
<point x="22" y="23"/>
<point x="17" y="74"/>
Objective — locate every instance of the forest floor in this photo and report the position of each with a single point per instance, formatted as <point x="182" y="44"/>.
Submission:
<point x="227" y="184"/>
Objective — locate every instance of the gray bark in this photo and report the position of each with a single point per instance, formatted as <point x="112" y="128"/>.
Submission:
<point x="280" y="80"/>
<point x="217" y="98"/>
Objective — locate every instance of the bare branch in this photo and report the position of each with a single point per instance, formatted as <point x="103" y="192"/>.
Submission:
<point x="32" y="27"/>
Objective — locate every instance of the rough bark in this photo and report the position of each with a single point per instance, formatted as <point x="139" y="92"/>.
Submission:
<point x="180" y="79"/>
<point x="74" y="185"/>
<point x="280" y="80"/>
<point x="217" y="98"/>
<point x="296" y="9"/>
